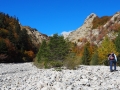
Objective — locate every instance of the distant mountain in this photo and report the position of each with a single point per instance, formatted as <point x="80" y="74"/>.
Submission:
<point x="95" y="29"/>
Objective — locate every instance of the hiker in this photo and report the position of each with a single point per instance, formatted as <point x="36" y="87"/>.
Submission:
<point x="112" y="60"/>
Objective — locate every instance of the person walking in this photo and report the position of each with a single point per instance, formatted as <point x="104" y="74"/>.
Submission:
<point x="112" y="60"/>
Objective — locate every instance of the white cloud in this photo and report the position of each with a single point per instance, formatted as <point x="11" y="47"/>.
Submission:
<point x="65" y="33"/>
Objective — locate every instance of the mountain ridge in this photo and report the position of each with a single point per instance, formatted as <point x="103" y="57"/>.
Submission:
<point x="86" y="32"/>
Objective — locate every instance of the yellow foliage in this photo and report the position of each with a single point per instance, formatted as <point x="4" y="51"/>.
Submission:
<point x="3" y="30"/>
<point x="106" y="47"/>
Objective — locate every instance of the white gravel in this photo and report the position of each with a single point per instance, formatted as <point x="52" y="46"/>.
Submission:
<point x="26" y="76"/>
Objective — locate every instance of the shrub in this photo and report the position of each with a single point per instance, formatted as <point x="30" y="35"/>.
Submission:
<point x="100" y="21"/>
<point x="72" y="61"/>
<point x="56" y="63"/>
<point x="47" y="64"/>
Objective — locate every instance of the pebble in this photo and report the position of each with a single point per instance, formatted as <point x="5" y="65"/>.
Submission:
<point x="25" y="76"/>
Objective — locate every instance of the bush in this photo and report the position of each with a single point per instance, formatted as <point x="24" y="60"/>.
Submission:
<point x="38" y="64"/>
<point x="47" y="64"/>
<point x="106" y="62"/>
<point x="56" y="63"/>
<point x="72" y="61"/>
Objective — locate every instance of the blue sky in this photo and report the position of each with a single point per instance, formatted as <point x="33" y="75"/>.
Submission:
<point x="56" y="16"/>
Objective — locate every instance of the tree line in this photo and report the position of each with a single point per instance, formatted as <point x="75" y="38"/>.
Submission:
<point x="15" y="44"/>
<point x="59" y="52"/>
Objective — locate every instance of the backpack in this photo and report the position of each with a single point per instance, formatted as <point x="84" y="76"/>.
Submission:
<point x="111" y="57"/>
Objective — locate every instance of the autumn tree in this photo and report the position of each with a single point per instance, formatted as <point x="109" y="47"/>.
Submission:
<point x="19" y="44"/>
<point x="106" y="47"/>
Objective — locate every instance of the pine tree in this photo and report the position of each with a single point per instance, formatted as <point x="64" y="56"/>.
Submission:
<point x="23" y="40"/>
<point x="85" y="57"/>
<point x="58" y="47"/>
<point x="94" y="60"/>
<point x="117" y="42"/>
<point x="43" y="52"/>
<point x="3" y="47"/>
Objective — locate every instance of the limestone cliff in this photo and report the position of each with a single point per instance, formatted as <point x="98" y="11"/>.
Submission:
<point x="87" y="33"/>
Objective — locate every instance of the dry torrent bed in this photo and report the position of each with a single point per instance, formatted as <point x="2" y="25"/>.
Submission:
<point x="25" y="76"/>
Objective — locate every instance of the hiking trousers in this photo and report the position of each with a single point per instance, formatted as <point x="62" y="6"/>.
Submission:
<point x="112" y="62"/>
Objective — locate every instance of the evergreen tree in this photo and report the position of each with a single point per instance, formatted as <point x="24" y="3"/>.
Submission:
<point x="58" y="47"/>
<point x="1" y="20"/>
<point x="17" y="28"/>
<point x="23" y="40"/>
<point x="11" y="37"/>
<point x="3" y="47"/>
<point x="117" y="42"/>
<point x="85" y="57"/>
<point x="94" y="60"/>
<point x="43" y="53"/>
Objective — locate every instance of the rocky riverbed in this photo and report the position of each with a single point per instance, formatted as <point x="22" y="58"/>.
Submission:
<point x="25" y="76"/>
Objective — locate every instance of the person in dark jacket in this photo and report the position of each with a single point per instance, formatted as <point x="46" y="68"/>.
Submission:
<point x="112" y="60"/>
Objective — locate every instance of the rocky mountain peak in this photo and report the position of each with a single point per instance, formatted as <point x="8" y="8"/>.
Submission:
<point x="83" y="31"/>
<point x="96" y="35"/>
<point x="90" y="18"/>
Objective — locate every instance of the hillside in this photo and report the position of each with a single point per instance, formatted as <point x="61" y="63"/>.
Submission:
<point x="95" y="29"/>
<point x="18" y="43"/>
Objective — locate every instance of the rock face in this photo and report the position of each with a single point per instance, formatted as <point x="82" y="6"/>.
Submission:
<point x="26" y="76"/>
<point x="36" y="36"/>
<point x="83" y="31"/>
<point x="115" y="19"/>
<point x="86" y="33"/>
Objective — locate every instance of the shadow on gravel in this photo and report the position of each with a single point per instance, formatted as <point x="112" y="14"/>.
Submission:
<point x="13" y="62"/>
